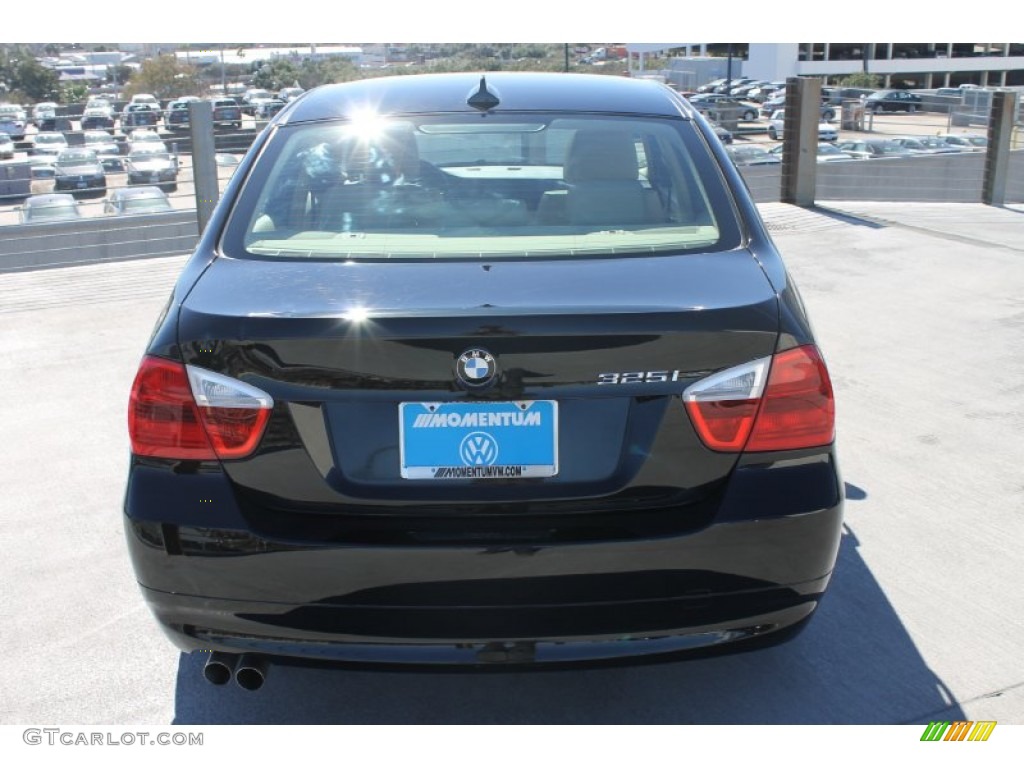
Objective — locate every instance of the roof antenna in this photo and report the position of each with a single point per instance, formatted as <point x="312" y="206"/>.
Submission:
<point x="483" y="99"/>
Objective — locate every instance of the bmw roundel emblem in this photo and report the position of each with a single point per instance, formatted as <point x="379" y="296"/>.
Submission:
<point x="476" y="368"/>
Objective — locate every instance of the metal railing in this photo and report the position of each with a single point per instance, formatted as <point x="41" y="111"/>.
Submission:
<point x="905" y="168"/>
<point x="992" y="174"/>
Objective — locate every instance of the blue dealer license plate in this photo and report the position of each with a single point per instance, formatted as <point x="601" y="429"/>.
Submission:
<point x="453" y="441"/>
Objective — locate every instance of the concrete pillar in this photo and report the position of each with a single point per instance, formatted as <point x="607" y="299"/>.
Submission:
<point x="800" y="140"/>
<point x="204" y="165"/>
<point x="997" y="154"/>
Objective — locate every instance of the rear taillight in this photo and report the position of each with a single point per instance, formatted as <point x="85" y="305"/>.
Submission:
<point x="738" y="409"/>
<point x="723" y="406"/>
<point x="184" y="412"/>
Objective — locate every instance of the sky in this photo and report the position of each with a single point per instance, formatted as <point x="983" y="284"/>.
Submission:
<point x="521" y="21"/>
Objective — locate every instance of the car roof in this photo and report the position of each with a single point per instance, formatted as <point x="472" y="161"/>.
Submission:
<point x="50" y="199"/>
<point x="517" y="91"/>
<point x="138" y="192"/>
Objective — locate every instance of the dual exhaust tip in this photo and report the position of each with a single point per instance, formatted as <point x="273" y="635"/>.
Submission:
<point x="248" y="670"/>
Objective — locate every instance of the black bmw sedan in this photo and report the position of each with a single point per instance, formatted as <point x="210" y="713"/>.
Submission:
<point x="482" y="372"/>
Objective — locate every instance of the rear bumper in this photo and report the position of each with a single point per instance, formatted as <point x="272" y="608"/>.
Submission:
<point x="751" y="577"/>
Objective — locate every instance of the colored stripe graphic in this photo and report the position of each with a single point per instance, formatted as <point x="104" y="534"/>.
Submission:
<point x="958" y="731"/>
<point x="982" y="730"/>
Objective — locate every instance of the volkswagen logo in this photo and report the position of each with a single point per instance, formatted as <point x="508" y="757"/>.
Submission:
<point x="478" y="449"/>
<point x="476" y="368"/>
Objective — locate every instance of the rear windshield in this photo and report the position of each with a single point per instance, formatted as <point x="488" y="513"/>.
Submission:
<point x="463" y="186"/>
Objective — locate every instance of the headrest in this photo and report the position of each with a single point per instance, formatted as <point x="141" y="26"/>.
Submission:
<point x="601" y="155"/>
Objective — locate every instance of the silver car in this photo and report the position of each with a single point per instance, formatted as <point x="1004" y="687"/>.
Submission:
<point x="45" y="208"/>
<point x="128" y="201"/>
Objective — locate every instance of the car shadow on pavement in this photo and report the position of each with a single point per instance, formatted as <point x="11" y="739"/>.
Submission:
<point x="855" y="663"/>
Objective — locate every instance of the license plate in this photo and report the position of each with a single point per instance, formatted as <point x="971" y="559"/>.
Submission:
<point x="80" y="184"/>
<point x="478" y="441"/>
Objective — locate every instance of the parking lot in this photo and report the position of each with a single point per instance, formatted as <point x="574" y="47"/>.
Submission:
<point x="182" y="197"/>
<point x="751" y="132"/>
<point x="919" y="310"/>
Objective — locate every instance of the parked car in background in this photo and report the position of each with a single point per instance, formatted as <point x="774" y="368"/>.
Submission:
<point x="762" y="93"/>
<point x="965" y="142"/>
<point x="6" y="147"/>
<point x="741" y="91"/>
<point x="827" y="152"/>
<point x="12" y="121"/>
<point x="101" y="118"/>
<point x="227" y="160"/>
<point x="44" y="116"/>
<point x="48" y="208"/>
<point x="577" y="414"/>
<point x="226" y="114"/>
<point x="148" y="100"/>
<point x="925" y="145"/>
<point x="873" y="149"/>
<point x="266" y="110"/>
<point x="141" y="115"/>
<point x="835" y="95"/>
<point x="128" y="201"/>
<point x="719" y="107"/>
<point x="79" y="170"/>
<point x="144" y="138"/>
<point x="724" y="135"/>
<point x="892" y="101"/>
<point x="100" y="142"/>
<point x="710" y="86"/>
<point x="41" y="166"/>
<point x="777" y="124"/>
<point x="290" y="94"/>
<point x="176" y="116"/>
<point x="152" y="165"/>
<point x="15" y="181"/>
<point x="726" y="88"/>
<point x="49" y="143"/>
<point x="751" y="154"/>
<point x="253" y="98"/>
<point x="777" y="102"/>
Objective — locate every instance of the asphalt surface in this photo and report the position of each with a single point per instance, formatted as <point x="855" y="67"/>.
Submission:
<point x="919" y="310"/>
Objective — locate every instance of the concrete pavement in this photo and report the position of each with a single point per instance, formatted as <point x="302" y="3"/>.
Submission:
<point x="919" y="310"/>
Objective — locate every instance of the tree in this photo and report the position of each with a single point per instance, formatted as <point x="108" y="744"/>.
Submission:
<point x="276" y="74"/>
<point x="165" y="77"/>
<point x="860" y="80"/>
<point x="119" y="73"/>
<point x="25" y="75"/>
<point x="284" y="73"/>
